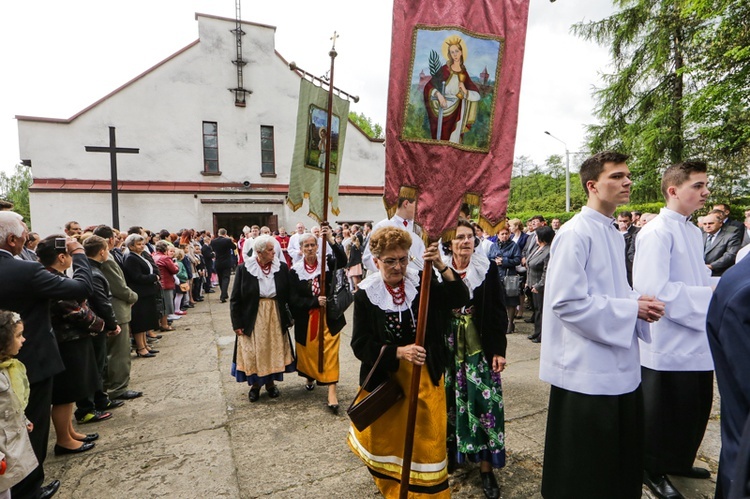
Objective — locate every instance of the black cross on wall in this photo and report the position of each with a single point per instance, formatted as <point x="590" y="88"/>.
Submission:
<point x="113" y="150"/>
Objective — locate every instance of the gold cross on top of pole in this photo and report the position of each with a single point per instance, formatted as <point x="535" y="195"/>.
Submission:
<point x="335" y="35"/>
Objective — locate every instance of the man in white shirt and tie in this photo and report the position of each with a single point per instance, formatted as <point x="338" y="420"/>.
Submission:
<point x="403" y="219"/>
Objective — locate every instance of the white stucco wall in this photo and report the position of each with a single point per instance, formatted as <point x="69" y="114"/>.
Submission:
<point x="162" y="112"/>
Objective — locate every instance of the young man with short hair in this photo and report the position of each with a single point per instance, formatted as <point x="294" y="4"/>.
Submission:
<point x="677" y="370"/>
<point x="590" y="323"/>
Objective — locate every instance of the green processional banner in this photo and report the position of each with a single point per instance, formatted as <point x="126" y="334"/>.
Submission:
<point x="307" y="175"/>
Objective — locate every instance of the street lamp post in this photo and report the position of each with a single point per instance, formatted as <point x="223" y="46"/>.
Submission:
<point x="567" y="172"/>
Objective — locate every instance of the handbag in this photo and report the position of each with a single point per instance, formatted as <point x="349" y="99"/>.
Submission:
<point x="184" y="287"/>
<point x="512" y="284"/>
<point x="377" y="402"/>
<point x="342" y="298"/>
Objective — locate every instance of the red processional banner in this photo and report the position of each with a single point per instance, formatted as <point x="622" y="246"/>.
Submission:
<point x="454" y="85"/>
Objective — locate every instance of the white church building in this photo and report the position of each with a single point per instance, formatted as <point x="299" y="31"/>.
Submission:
<point x="204" y="160"/>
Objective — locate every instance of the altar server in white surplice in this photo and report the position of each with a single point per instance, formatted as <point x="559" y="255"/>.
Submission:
<point x="591" y="323"/>
<point x="677" y="368"/>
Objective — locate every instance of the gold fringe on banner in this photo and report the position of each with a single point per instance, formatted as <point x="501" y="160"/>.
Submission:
<point x="470" y="198"/>
<point x="310" y="214"/>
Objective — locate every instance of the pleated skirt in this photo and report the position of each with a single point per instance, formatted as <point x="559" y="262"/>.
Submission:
<point x="381" y="445"/>
<point x="308" y="354"/>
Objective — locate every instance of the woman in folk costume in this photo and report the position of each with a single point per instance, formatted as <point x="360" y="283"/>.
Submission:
<point x="477" y="343"/>
<point x="307" y="305"/>
<point x="257" y="306"/>
<point x="385" y="314"/>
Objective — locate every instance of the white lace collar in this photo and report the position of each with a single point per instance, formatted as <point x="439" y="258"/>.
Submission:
<point x="475" y="272"/>
<point x="302" y="272"/>
<point x="252" y="266"/>
<point x="374" y="286"/>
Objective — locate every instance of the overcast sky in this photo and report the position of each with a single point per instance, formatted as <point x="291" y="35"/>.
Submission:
<point x="59" y="57"/>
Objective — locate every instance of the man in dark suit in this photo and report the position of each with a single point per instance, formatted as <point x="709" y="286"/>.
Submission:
<point x="728" y="222"/>
<point x="208" y="258"/>
<point x="729" y="338"/>
<point x="27" y="289"/>
<point x="720" y="246"/>
<point x="746" y="232"/>
<point x="629" y="232"/>
<point x="224" y="248"/>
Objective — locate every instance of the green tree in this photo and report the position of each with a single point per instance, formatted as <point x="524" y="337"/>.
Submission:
<point x="720" y="107"/>
<point x="642" y="105"/>
<point x="373" y="130"/>
<point x="15" y="188"/>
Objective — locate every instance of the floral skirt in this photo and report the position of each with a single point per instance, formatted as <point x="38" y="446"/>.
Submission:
<point x="474" y="399"/>
<point x="381" y="445"/>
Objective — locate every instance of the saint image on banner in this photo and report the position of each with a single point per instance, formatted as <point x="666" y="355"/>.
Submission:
<point x="315" y="154"/>
<point x="455" y="102"/>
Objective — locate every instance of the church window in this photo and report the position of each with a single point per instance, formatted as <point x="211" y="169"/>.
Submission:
<point x="267" y="161"/>
<point x="210" y="147"/>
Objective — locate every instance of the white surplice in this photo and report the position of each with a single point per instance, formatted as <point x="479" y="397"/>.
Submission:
<point x="590" y="322"/>
<point x="669" y="265"/>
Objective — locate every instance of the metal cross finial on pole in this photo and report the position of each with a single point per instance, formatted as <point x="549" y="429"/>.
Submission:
<point x="335" y="35"/>
<point x="567" y="170"/>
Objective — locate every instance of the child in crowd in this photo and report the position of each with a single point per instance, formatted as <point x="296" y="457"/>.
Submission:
<point x="18" y="459"/>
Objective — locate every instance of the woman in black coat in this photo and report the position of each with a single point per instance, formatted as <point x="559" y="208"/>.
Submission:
<point x="258" y="307"/>
<point x="142" y="276"/>
<point x="385" y="318"/>
<point x="307" y="305"/>
<point x="477" y="343"/>
<point x="507" y="255"/>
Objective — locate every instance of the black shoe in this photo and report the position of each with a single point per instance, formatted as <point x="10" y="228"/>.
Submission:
<point x="694" y="472"/>
<point x="211" y="291"/>
<point x="530" y="337"/>
<point x="146" y="355"/>
<point x="310" y="387"/>
<point x="89" y="438"/>
<point x="536" y="340"/>
<point x="199" y="299"/>
<point x="49" y="490"/>
<point x="529" y="320"/>
<point x="223" y="300"/>
<point x="59" y="451"/>
<point x="489" y="485"/>
<point x="254" y="394"/>
<point x="661" y="486"/>
<point x="129" y="395"/>
<point x="273" y="391"/>
<point x="334" y="408"/>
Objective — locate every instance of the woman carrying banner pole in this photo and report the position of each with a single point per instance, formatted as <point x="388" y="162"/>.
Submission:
<point x="386" y="311"/>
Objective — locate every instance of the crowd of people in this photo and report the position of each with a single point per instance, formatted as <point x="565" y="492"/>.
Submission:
<point x="632" y="311"/>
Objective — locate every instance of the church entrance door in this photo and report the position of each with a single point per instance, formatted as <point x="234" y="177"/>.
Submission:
<point x="234" y="222"/>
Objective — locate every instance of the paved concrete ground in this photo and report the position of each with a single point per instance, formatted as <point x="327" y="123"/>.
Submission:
<point x="195" y="435"/>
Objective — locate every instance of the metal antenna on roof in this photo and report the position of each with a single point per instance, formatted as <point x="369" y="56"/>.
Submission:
<point x="240" y="90"/>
